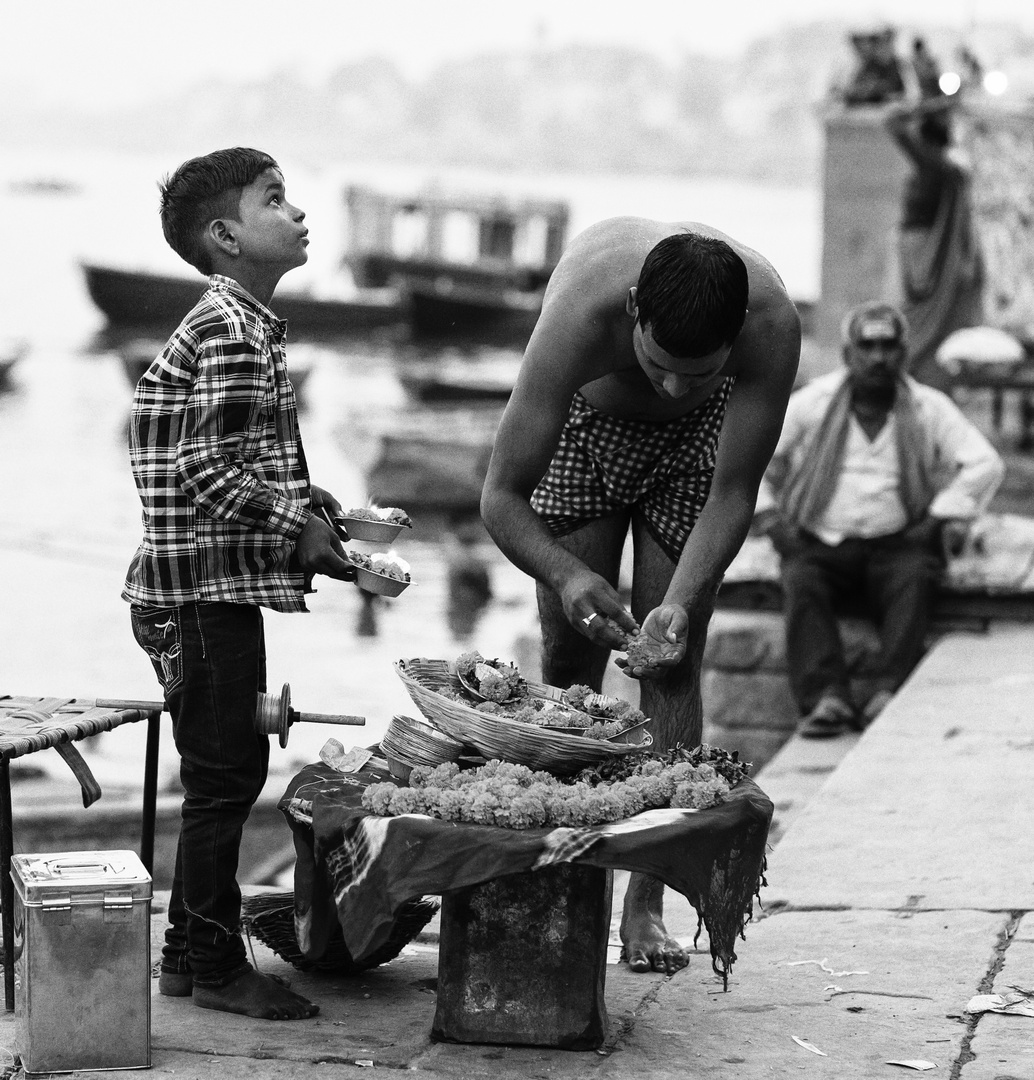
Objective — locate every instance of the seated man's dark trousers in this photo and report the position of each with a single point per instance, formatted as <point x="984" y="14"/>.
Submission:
<point x="890" y="578"/>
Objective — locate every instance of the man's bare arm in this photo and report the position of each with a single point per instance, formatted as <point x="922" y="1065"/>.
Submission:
<point x="557" y="362"/>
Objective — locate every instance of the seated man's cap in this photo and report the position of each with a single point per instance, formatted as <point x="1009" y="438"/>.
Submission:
<point x="874" y="321"/>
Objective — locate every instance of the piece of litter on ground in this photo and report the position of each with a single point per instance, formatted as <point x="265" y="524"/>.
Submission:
<point x="809" y="1046"/>
<point x="364" y="1063"/>
<point x="1010" y="1004"/>
<point x="914" y="1063"/>
<point x="824" y="964"/>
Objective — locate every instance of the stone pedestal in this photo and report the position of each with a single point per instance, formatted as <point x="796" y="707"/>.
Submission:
<point x="522" y="960"/>
<point x="864" y="175"/>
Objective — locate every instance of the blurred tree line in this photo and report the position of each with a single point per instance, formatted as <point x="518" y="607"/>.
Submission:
<point x="573" y="108"/>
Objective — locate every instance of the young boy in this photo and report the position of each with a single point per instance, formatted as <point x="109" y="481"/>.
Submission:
<point x="229" y="528"/>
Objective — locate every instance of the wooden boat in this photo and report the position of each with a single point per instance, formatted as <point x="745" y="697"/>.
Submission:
<point x="472" y="265"/>
<point x="487" y="380"/>
<point x="434" y="458"/>
<point x="438" y="310"/>
<point x="139" y="298"/>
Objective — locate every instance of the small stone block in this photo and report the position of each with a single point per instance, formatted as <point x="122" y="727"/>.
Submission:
<point x="522" y="960"/>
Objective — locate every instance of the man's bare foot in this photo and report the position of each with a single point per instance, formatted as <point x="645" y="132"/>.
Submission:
<point x="653" y="950"/>
<point x="255" y="994"/>
<point x="646" y="945"/>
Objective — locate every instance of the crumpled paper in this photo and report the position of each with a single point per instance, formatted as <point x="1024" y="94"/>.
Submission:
<point x="351" y="761"/>
<point x="1018" y="1003"/>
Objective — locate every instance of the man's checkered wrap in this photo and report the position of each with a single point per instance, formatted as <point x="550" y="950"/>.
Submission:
<point x="604" y="464"/>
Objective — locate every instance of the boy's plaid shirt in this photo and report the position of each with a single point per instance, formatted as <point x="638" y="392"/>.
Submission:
<point x="218" y="462"/>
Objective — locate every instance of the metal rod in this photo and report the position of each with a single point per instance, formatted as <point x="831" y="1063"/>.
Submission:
<point x="150" y="790"/>
<point x="325" y="718"/>
<point x="6" y="884"/>
<point x="117" y="703"/>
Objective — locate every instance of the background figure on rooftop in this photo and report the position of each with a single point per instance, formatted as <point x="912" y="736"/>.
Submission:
<point x="941" y="272"/>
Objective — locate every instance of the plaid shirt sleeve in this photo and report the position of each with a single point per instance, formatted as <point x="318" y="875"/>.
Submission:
<point x="225" y="409"/>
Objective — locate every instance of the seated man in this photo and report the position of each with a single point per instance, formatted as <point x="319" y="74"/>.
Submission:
<point x="875" y="478"/>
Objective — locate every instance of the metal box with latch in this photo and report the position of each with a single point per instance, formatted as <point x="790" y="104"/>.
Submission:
<point x="82" y="961"/>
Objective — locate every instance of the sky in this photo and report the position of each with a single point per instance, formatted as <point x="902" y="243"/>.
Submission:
<point x="98" y="52"/>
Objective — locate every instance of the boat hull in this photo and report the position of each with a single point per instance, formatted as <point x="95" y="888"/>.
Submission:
<point x="435" y="458"/>
<point x="491" y="315"/>
<point x="139" y="299"/>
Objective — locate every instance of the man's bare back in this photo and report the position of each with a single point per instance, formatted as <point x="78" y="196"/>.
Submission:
<point x="588" y="290"/>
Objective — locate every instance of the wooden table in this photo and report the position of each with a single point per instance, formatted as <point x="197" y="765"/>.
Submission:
<point x="30" y="724"/>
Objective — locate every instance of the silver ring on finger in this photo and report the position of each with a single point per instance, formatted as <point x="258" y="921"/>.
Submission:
<point x="587" y="621"/>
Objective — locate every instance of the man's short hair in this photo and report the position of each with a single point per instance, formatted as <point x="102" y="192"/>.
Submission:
<point x="874" y="320"/>
<point x="692" y="294"/>
<point x="203" y="189"/>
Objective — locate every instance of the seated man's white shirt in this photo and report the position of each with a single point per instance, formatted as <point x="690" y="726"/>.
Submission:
<point x="867" y="500"/>
<point x="966" y="469"/>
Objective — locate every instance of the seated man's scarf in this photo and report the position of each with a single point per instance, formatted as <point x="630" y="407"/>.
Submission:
<point x="808" y="493"/>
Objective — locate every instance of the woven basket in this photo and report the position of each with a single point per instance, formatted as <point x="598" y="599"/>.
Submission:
<point x="409" y="742"/>
<point x="270" y="917"/>
<point x="508" y="740"/>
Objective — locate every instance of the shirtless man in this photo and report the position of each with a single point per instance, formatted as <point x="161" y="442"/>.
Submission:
<point x="645" y="350"/>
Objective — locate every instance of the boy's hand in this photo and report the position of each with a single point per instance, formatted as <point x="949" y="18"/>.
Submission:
<point x="330" y="510"/>
<point x="320" y="551"/>
<point x="324" y="504"/>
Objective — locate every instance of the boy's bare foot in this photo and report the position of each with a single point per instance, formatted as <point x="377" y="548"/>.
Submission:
<point x="173" y="984"/>
<point x="255" y="994"/>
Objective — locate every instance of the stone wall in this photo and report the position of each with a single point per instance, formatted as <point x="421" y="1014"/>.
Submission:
<point x="748" y="706"/>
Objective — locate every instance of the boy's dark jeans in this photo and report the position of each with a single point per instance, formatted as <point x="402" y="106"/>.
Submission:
<point x="210" y="659"/>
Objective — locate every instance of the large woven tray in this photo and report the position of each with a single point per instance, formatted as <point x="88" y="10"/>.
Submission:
<point x="509" y="740"/>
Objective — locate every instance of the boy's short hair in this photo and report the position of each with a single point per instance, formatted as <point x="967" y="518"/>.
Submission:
<point x="692" y="294"/>
<point x="203" y="189"/>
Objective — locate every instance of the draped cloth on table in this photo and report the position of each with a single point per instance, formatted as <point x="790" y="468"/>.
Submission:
<point x="359" y="869"/>
<point x="942" y="277"/>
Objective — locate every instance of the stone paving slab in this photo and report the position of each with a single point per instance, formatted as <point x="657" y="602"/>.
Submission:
<point x="1002" y="1047"/>
<point x="919" y="972"/>
<point x="934" y="810"/>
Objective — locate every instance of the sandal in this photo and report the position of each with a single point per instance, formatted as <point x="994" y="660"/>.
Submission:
<point x="831" y="717"/>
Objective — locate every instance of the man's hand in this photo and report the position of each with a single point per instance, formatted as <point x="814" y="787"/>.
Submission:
<point x="954" y="535"/>
<point x="320" y="552"/>
<point x="925" y="533"/>
<point x="660" y="645"/>
<point x="592" y="607"/>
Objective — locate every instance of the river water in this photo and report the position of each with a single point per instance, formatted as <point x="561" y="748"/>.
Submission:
<point x="70" y="519"/>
